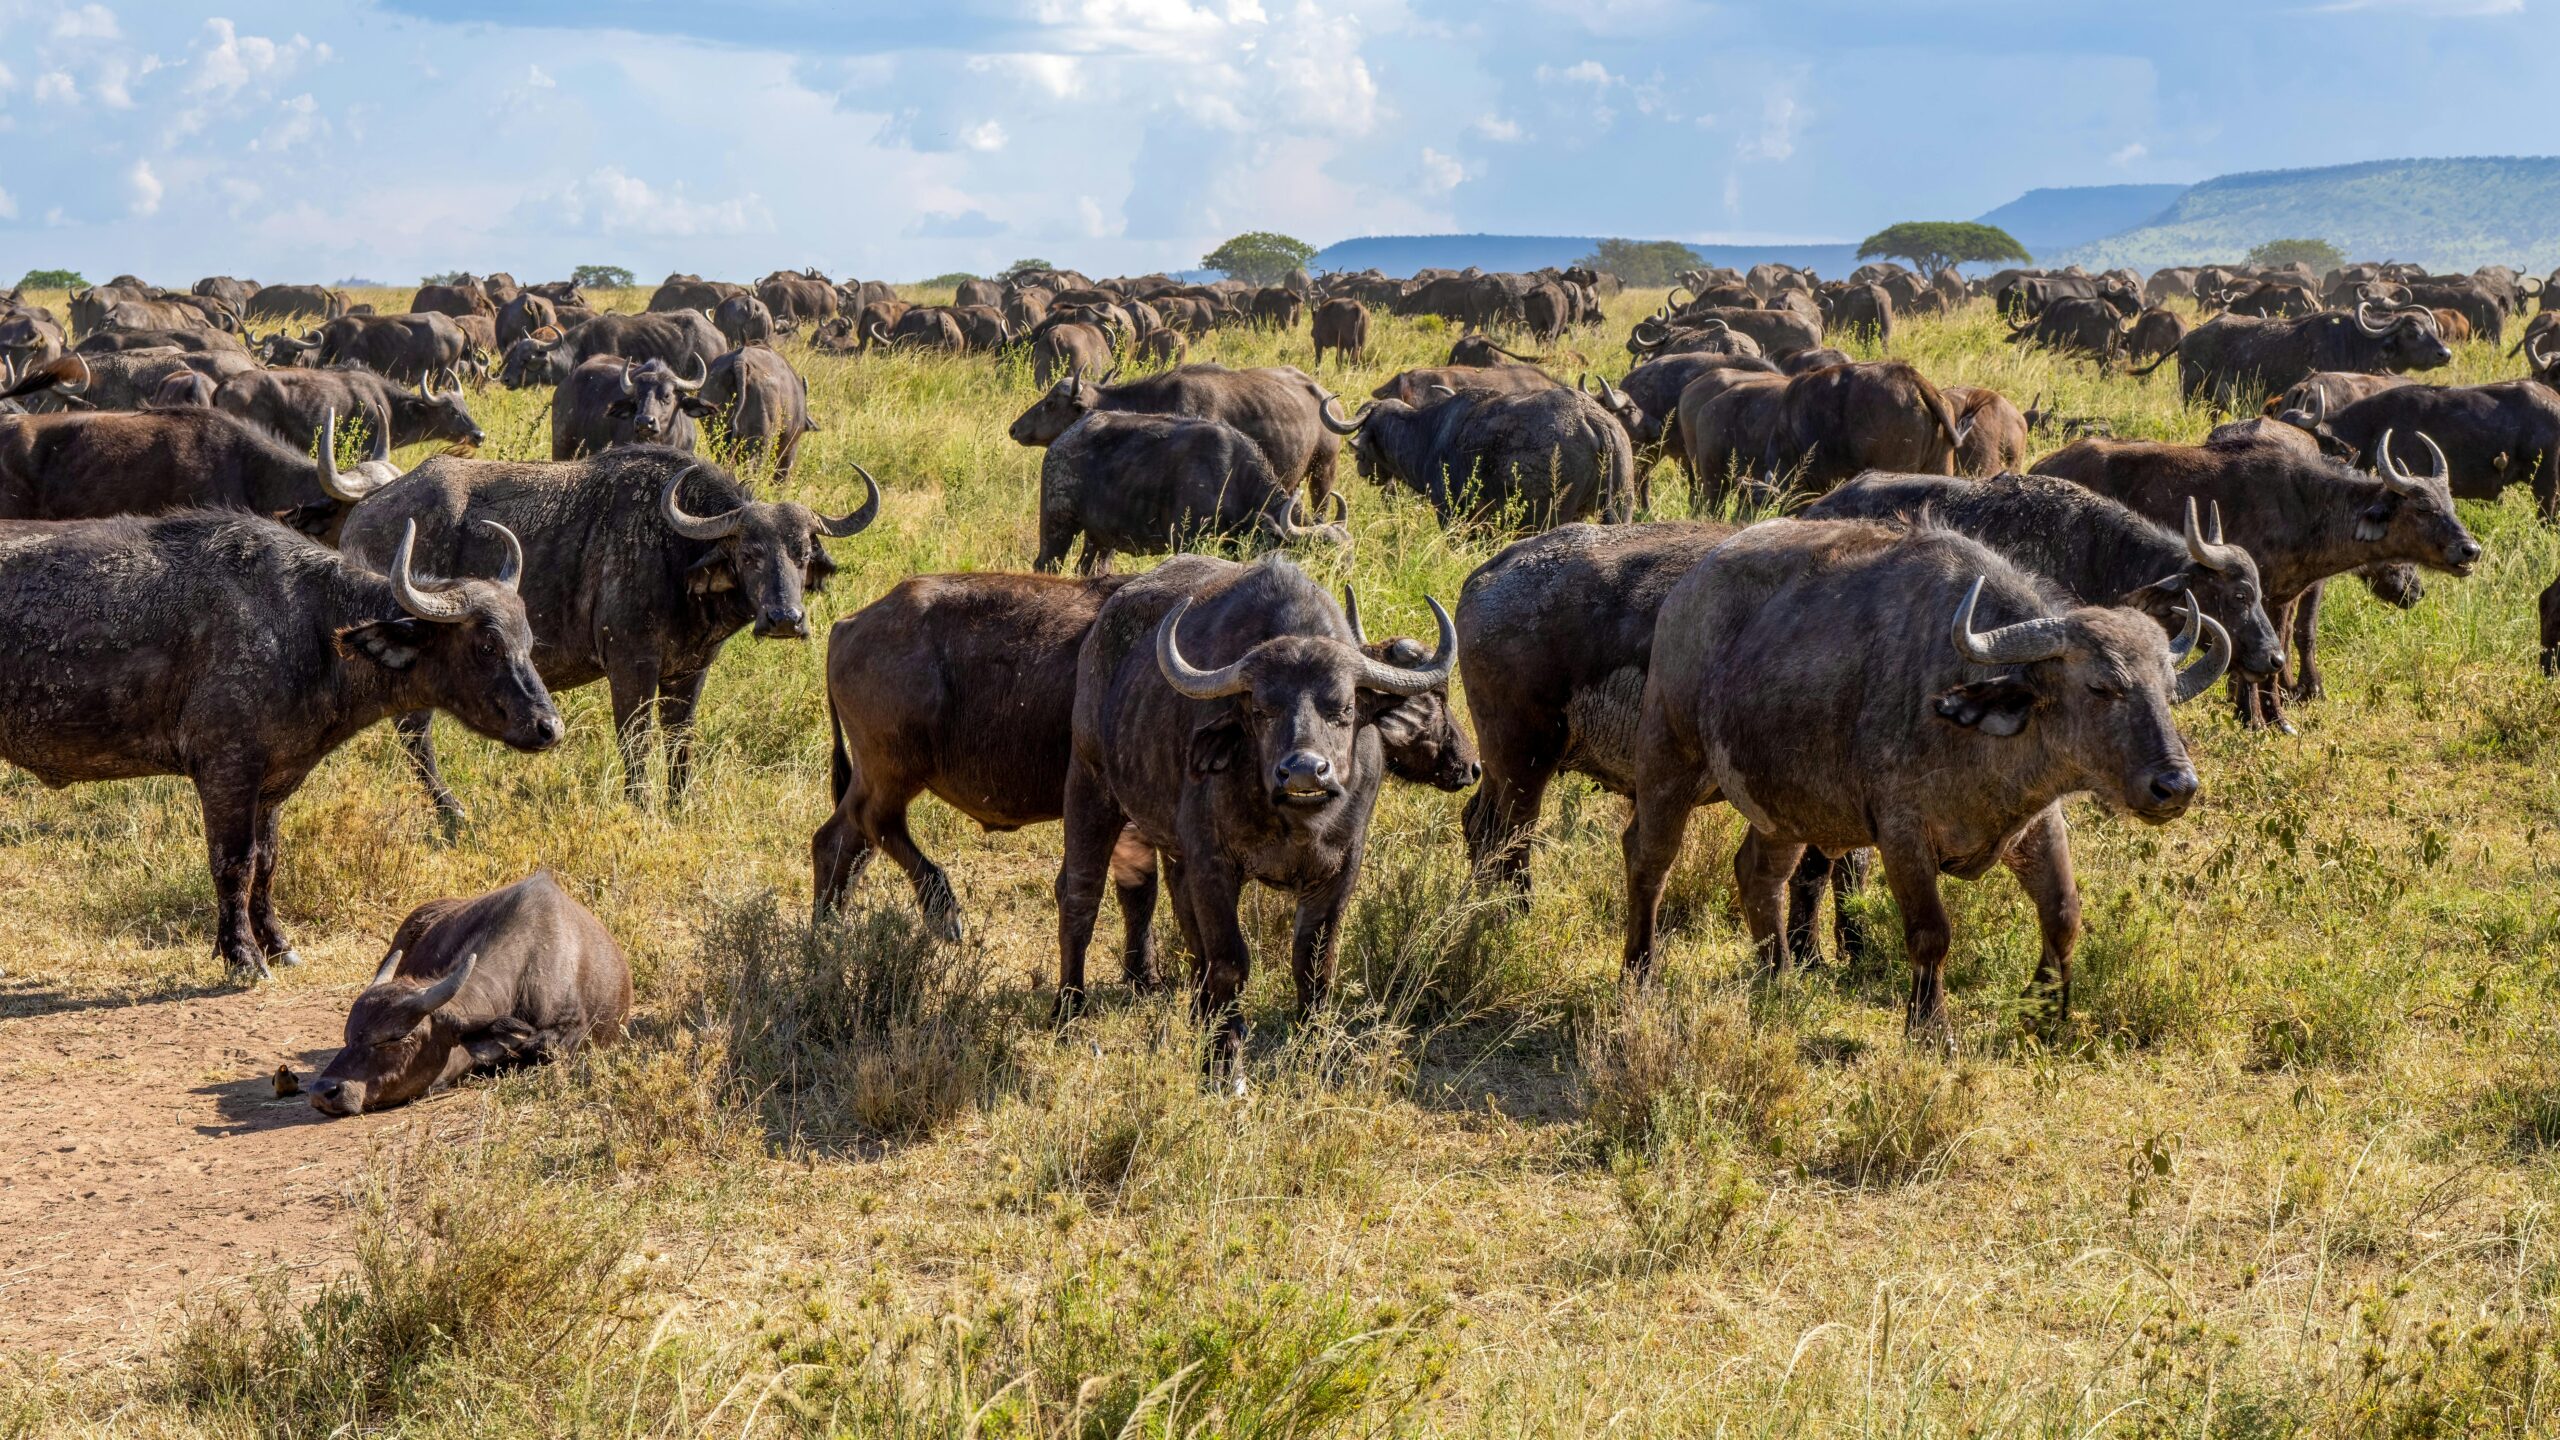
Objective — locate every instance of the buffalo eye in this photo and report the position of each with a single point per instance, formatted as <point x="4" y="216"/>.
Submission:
<point x="2105" y="691"/>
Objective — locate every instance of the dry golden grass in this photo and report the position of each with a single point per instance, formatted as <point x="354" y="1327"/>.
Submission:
<point x="2289" y="1173"/>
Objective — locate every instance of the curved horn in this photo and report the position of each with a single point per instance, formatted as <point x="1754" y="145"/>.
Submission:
<point x="2207" y="553"/>
<point x="82" y="364"/>
<point x="1197" y="684"/>
<point x="878" y="335"/>
<point x="1351" y="612"/>
<point x="2319" y="404"/>
<point x="333" y="484"/>
<point x="2365" y="321"/>
<point x="2400" y="479"/>
<point x="694" y="527"/>
<point x="1325" y="412"/>
<point x="1389" y="679"/>
<point x="2533" y="354"/>
<point x="390" y="966"/>
<point x="425" y="604"/>
<point x="860" y="520"/>
<point x="626" y="376"/>
<point x="2020" y="644"/>
<point x="437" y="996"/>
<point x="696" y="383"/>
<point x="511" y="569"/>
<point x="1341" y="509"/>
<point x="2199" y="677"/>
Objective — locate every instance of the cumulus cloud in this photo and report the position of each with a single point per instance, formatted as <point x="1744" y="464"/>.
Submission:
<point x="145" y="189"/>
<point x="1495" y="127"/>
<point x="612" y="201"/>
<point x="2128" y="154"/>
<point x="85" y="22"/>
<point x="227" y="60"/>
<point x="539" y="78"/>
<point x="1776" y="138"/>
<point x="1441" y="173"/>
<point x="54" y="87"/>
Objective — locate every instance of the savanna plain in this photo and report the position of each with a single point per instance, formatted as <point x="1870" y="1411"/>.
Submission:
<point x="2291" y="1168"/>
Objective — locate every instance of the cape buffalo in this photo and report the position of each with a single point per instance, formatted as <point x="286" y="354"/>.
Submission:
<point x="609" y="401"/>
<point x="410" y="348"/>
<point x="647" y="562"/>
<point x="88" y="466"/>
<point x="2492" y="436"/>
<point x="1946" y="748"/>
<point x="1276" y="405"/>
<point x="1146" y="484"/>
<point x="1418" y="387"/>
<point x="295" y="406"/>
<point x="1342" y="326"/>
<point x="1072" y="349"/>
<point x="517" y="976"/>
<point x="2234" y="362"/>
<point x="1230" y="714"/>
<point x="767" y="405"/>
<point x="240" y="655"/>
<point x="1535" y="459"/>
<point x="295" y="302"/>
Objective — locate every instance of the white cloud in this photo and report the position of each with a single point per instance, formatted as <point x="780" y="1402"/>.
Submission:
<point x="1442" y="173"/>
<point x="146" y="188"/>
<point x="539" y="78"/>
<point x="1586" y="72"/>
<point x="232" y="60"/>
<point x="109" y="85"/>
<point x="53" y="87"/>
<point x="85" y="22"/>
<point x="2128" y="154"/>
<point x="1776" y="139"/>
<point x="613" y="201"/>
<point x="1495" y="127"/>
<point x="8" y="79"/>
<point x="983" y="136"/>
<point x="1097" y="224"/>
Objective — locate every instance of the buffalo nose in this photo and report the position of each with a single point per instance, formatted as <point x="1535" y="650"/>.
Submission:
<point x="2466" y="552"/>
<point x="547" y="731"/>
<point x="782" y="625"/>
<point x="478" y="436"/>
<point x="2173" y="787"/>
<point x="1301" y="768"/>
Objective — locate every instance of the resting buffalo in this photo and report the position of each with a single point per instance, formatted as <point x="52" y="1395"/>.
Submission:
<point x="608" y="401"/>
<point x="2234" y="362"/>
<point x="1276" y="405"/>
<point x="1946" y="747"/>
<point x="646" y="563"/>
<point x="108" y="342"/>
<point x="1533" y="459"/>
<point x="1230" y="714"/>
<point x="1146" y="484"/>
<point x="241" y="655"/>
<point x="517" y="976"/>
<point x="965" y="685"/>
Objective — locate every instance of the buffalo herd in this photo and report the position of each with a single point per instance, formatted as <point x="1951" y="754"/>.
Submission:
<point x="1880" y="632"/>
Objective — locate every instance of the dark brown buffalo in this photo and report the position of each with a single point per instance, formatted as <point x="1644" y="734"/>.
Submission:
<point x="522" y="316"/>
<point x="1725" y="425"/>
<point x="1995" y="431"/>
<point x="691" y="292"/>
<point x="764" y="407"/>
<point x="227" y="649"/>
<point x="2234" y="363"/>
<point x="1277" y="405"/>
<point x="608" y="401"/>
<point x="1146" y="484"/>
<point x="1843" y="419"/>
<point x="2073" y="325"/>
<point x="108" y="342"/>
<point x="647" y="561"/>
<point x="1230" y="714"/>
<point x="2302" y="518"/>
<point x="296" y="406"/>
<point x="1420" y="387"/>
<point x="1861" y="311"/>
<point x="1807" y="672"/>
<point x="1342" y="326"/>
<point x="2492" y="436"/>
<point x="685" y="340"/>
<point x="30" y="339"/>
<point x="1480" y="350"/>
<point x="798" y="299"/>
<point x="295" y="302"/>
<point x="1655" y="387"/>
<point x="964" y="685"/>
<point x="1069" y="348"/>
<point x="120" y="380"/>
<point x="1532" y="459"/>
<point x="744" y="320"/>
<point x="1774" y="333"/>
<point x="413" y="349"/>
<point x="232" y="294"/>
<point x="452" y="300"/>
<point x="518" y="976"/>
<point x="88" y="466"/>
<point x="2154" y="333"/>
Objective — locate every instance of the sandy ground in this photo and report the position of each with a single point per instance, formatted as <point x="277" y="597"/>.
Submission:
<point x="144" y="1154"/>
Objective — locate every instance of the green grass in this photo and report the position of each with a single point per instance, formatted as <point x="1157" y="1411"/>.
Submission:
<point x="2289" y="1174"/>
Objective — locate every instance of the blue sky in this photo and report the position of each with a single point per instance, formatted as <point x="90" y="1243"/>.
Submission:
<point x="386" y="138"/>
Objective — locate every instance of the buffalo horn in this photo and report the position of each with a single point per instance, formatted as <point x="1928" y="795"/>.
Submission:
<point x="2022" y="643"/>
<point x="861" y="518"/>
<point x="1388" y="679"/>
<point x="425" y="604"/>
<point x="66" y="386"/>
<point x="2533" y="355"/>
<point x="333" y="484"/>
<point x="690" y="386"/>
<point x="2366" y="323"/>
<point x="1351" y="613"/>
<point x="1197" y="684"/>
<point x="437" y="996"/>
<point x="2195" y="679"/>
<point x="511" y="569"/>
<point x="2211" y="553"/>
<point x="2401" y="480"/>
<point x="1326" y="413"/>
<point x="694" y="527"/>
<point x="390" y="966"/>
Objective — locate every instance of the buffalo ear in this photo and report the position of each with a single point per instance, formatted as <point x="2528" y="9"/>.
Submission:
<point x="1216" y="744"/>
<point x="2376" y="519"/>
<point x="2160" y="596"/>
<point x="503" y="1041"/>
<point x="697" y="408"/>
<point x="392" y="644"/>
<point x="1998" y="706"/>
<point x="1400" y="719"/>
<point x="711" y="574"/>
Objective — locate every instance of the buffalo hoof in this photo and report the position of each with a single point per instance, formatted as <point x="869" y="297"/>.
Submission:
<point x="287" y="957"/>
<point x="250" y="972"/>
<point x="944" y="925"/>
<point x="1070" y="1004"/>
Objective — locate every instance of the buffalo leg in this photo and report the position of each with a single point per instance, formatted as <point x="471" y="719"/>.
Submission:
<point x="418" y="742"/>
<point x="1805" y="888"/>
<point x="1133" y="880"/>
<point x="230" y="802"/>
<point x="2549" y="608"/>
<point x="1317" y="937"/>
<point x="1092" y="828"/>
<point x="1225" y="962"/>
<point x="678" y="698"/>
<point x="1761" y="869"/>
<point x="1912" y="873"/>
<point x="1501" y="816"/>
<point x="886" y="825"/>
<point x="2041" y="859"/>
<point x="262" y="910"/>
<point x="2306" y="639"/>
<point x="635" y="695"/>
<point x="1652" y="844"/>
<point x="838" y="854"/>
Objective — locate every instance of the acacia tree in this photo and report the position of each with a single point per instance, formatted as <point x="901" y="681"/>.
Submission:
<point x="52" y="280"/>
<point x="1642" y="263"/>
<point x="1259" y="257"/>
<point x="601" y="277"/>
<point x="1933" y="245"/>
<point x="2320" y="255"/>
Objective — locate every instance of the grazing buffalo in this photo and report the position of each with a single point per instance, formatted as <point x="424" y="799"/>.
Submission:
<point x="413" y="349"/>
<point x="646" y="563"/>
<point x="744" y="320"/>
<point x="766" y="404"/>
<point x="1654" y="387"/>
<point x="1230" y="714"/>
<point x="1342" y="326"/>
<point x="522" y="316"/>
<point x="1276" y="405"/>
<point x="240" y="656"/>
<point x="1070" y="348"/>
<point x="1146" y="484"/>
<point x="120" y="381"/>
<point x="1481" y="350"/>
<point x="1725" y="424"/>
<point x="798" y="299"/>
<point x="296" y="407"/>
<point x="2154" y="333"/>
<point x="518" y="976"/>
<point x="1843" y="419"/>
<point x="1994" y="430"/>
<point x="1727" y="330"/>
<point x="455" y="300"/>
<point x="691" y="292"/>
<point x="2302" y="518"/>
<point x="88" y="466"/>
<point x="2076" y="326"/>
<point x="609" y="401"/>
<point x="1533" y="459"/>
<point x="2492" y="436"/>
<point x="964" y="685"/>
<point x="295" y="302"/>
<point x="1421" y="386"/>
<point x="1946" y="747"/>
<point x="2235" y="362"/>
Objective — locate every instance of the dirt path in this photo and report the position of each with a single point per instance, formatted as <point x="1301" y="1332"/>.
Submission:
<point x="144" y="1154"/>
